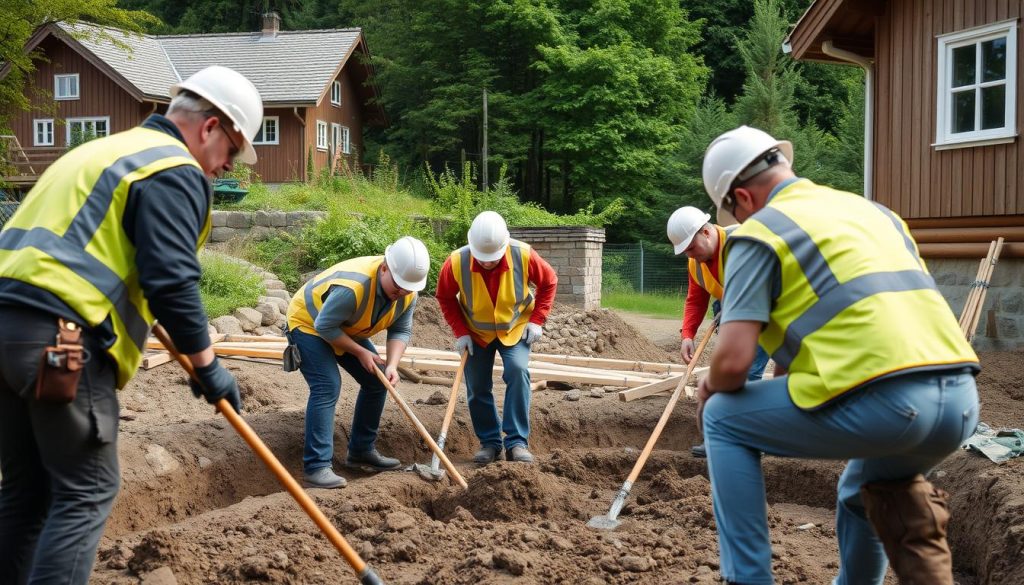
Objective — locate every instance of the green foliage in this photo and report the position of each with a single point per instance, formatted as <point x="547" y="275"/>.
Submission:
<point x="226" y="285"/>
<point x="655" y="305"/>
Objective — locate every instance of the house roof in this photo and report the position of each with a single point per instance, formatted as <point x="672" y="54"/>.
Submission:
<point x="849" y="24"/>
<point x="292" y="68"/>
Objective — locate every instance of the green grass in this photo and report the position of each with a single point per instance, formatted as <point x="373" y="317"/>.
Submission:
<point x="654" y="305"/>
<point x="355" y="195"/>
<point x="226" y="285"/>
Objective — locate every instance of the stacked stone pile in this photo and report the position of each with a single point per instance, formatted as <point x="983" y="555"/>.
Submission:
<point x="266" y="318"/>
<point x="577" y="333"/>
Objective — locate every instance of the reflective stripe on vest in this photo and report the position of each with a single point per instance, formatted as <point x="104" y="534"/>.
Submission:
<point x="67" y="238"/>
<point x="505" y="318"/>
<point x="358" y="275"/>
<point x="856" y="303"/>
<point x="701" y="273"/>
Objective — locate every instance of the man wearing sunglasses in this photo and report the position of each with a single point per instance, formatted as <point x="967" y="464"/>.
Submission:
<point x="103" y="246"/>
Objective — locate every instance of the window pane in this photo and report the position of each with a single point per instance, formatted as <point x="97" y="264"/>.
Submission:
<point x="101" y="127"/>
<point x="993" y="60"/>
<point x="271" y="130"/>
<point x="964" y="65"/>
<point x="963" y="111"/>
<point x="993" y="107"/>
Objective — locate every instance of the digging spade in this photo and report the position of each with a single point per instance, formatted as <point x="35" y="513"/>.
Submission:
<point x="434" y="472"/>
<point x="610" y="521"/>
<point x="366" y="574"/>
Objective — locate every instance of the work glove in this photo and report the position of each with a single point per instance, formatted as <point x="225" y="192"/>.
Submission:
<point x="215" y="383"/>
<point x="464" y="344"/>
<point x="533" y="333"/>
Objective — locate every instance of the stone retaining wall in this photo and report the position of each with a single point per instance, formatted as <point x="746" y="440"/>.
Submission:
<point x="228" y="225"/>
<point x="575" y="253"/>
<point x="1001" y="325"/>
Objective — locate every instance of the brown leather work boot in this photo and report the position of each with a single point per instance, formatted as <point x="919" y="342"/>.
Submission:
<point x="910" y="518"/>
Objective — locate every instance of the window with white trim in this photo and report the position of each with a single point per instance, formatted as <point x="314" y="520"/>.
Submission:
<point x="321" y="135"/>
<point x="43" y="132"/>
<point x="335" y="138"/>
<point x="81" y="130"/>
<point x="346" y="145"/>
<point x="65" y="87"/>
<point x="336" y="93"/>
<point x="268" y="131"/>
<point x="977" y="86"/>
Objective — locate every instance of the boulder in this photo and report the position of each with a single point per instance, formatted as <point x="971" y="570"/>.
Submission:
<point x="228" y="325"/>
<point x="268" y="313"/>
<point x="250" y="319"/>
<point x="279" y="293"/>
<point x="273" y="284"/>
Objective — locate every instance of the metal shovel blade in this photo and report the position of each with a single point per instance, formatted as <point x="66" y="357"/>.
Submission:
<point x="610" y="520"/>
<point x="603" y="523"/>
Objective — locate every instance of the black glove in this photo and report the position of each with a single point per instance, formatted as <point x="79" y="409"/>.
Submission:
<point x="215" y="383"/>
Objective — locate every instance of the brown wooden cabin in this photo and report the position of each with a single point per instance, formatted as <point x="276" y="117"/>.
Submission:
<point x="313" y="83"/>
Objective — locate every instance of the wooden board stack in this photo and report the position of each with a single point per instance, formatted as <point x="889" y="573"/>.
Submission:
<point x="979" y="288"/>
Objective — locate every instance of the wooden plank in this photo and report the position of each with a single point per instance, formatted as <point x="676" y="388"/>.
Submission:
<point x="637" y="367"/>
<point x="596" y="378"/>
<point x="666" y="385"/>
<point x="155" y="359"/>
<point x="154" y="343"/>
<point x="237" y="337"/>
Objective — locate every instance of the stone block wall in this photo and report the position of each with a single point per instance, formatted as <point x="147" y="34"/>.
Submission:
<point x="1001" y="325"/>
<point x="575" y="253"/>
<point x="228" y="225"/>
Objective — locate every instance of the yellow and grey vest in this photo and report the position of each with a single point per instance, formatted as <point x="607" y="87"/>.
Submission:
<point x="701" y="273"/>
<point x="360" y="276"/>
<point x="67" y="237"/>
<point x="857" y="302"/>
<point x="506" y="318"/>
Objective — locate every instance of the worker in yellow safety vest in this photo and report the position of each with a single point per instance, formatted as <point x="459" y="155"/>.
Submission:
<point x="102" y="246"/>
<point x="879" y="373"/>
<point x="330" y="322"/>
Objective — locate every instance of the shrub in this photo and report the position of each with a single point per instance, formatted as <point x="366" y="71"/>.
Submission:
<point x="226" y="285"/>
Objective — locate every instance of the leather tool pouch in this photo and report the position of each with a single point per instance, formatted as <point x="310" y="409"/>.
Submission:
<point x="61" y="366"/>
<point x="291" y="358"/>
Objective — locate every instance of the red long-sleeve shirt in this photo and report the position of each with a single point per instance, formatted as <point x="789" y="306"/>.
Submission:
<point x="540" y="274"/>
<point x="697" y="300"/>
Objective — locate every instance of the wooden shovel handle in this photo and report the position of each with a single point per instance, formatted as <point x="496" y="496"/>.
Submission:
<point x="450" y="411"/>
<point x="256" y="444"/>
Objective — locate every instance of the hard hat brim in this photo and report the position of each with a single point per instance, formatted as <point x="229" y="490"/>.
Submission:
<point x="413" y="286"/>
<point x="483" y="257"/>
<point x="247" y="154"/>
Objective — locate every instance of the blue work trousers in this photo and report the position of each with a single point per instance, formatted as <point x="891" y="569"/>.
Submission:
<point x="515" y="419"/>
<point x="889" y="430"/>
<point x="319" y="366"/>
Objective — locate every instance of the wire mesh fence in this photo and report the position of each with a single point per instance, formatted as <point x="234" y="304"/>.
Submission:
<point x="7" y="208"/>
<point x="635" y="268"/>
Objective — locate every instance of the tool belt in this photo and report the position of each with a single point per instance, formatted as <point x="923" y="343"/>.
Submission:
<point x="291" y="360"/>
<point x="61" y="365"/>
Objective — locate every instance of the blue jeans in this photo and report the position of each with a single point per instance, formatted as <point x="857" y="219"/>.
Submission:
<point x="319" y="367"/>
<point x="479" y="385"/>
<point x="756" y="371"/>
<point x="889" y="430"/>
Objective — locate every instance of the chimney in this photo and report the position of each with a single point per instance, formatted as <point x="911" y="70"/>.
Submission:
<point x="271" y="25"/>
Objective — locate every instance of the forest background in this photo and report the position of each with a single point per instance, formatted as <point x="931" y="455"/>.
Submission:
<point x="589" y="101"/>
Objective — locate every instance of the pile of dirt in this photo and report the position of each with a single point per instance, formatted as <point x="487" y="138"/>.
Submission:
<point x="512" y="491"/>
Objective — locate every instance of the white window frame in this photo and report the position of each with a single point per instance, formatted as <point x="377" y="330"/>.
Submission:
<point x="56" y="87"/>
<point x="72" y="121"/>
<point x="263" y="131"/>
<point x="45" y="123"/>
<point x="944" y="136"/>
<point x="336" y="93"/>
<point x="346" y="140"/>
<point x="335" y="138"/>
<point x="321" y="135"/>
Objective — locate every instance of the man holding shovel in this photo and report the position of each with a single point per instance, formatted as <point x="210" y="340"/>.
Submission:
<point x="484" y="293"/>
<point x="691" y="232"/>
<point x="330" y="321"/>
<point x="103" y="246"/>
<point x="879" y="372"/>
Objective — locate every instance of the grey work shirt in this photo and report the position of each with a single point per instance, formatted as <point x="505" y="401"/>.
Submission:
<point x="341" y="305"/>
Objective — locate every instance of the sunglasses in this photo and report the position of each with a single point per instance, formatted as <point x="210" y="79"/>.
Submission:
<point x="233" y="152"/>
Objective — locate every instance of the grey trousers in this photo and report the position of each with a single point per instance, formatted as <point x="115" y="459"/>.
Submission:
<point x="59" y="464"/>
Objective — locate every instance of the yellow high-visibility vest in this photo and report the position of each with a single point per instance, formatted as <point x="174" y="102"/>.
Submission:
<point x="506" y="318"/>
<point x="701" y="273"/>
<point x="857" y="302"/>
<point x="360" y="276"/>
<point x="66" y="237"/>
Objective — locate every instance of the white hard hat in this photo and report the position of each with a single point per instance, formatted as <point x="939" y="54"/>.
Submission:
<point x="235" y="96"/>
<point x="409" y="263"/>
<point x="731" y="154"/>
<point x="683" y="225"/>
<point x="488" y="237"/>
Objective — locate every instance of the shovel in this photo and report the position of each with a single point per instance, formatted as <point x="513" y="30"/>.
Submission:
<point x="610" y="521"/>
<point x="404" y="406"/>
<point x="367" y="576"/>
<point x="434" y="472"/>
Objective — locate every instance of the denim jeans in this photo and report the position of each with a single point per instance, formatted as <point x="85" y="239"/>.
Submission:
<point x="59" y="461"/>
<point x="319" y="366"/>
<point x="889" y="430"/>
<point x="756" y="371"/>
<point x="515" y="421"/>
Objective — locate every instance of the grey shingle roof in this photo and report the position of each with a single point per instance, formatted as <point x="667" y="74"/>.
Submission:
<point x="293" y="67"/>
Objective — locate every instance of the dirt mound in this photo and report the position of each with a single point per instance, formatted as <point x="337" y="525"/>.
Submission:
<point x="512" y="491"/>
<point x="260" y="393"/>
<point x="1002" y="378"/>
<point x="429" y="328"/>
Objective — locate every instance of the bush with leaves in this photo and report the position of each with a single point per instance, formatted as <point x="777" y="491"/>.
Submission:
<point x="226" y="285"/>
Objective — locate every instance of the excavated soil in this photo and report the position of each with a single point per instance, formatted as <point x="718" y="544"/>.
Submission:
<point x="198" y="507"/>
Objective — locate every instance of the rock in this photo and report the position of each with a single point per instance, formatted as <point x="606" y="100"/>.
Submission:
<point x="204" y="462"/>
<point x="561" y="543"/>
<point x="272" y="330"/>
<point x="530" y="536"/>
<point x="510" y="560"/>
<point x="228" y="325"/>
<point x="269" y="313"/>
<point x="281" y="304"/>
<point x="573" y="395"/>
<point x="398" y="521"/>
<point x="597" y="393"/>
<point x="279" y="293"/>
<point x="250" y="319"/>
<point x="279" y="559"/>
<point x="273" y="284"/>
<point x="436" y="398"/>
<point x="160" y="460"/>
<point x="159" y="576"/>
<point x="635" y="564"/>
<point x="778" y="551"/>
<point x="211" y="329"/>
